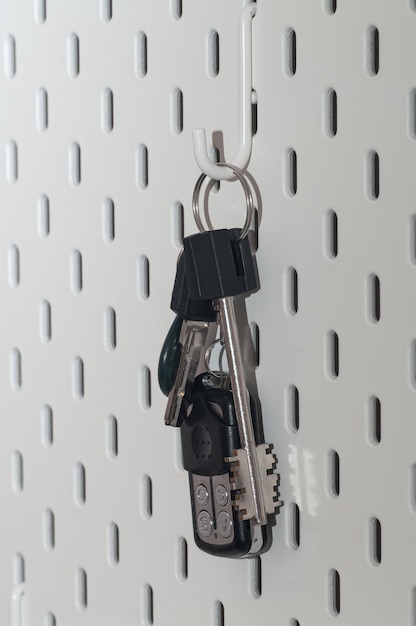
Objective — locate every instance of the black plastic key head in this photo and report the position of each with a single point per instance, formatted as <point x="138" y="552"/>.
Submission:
<point x="183" y="305"/>
<point x="218" y="264"/>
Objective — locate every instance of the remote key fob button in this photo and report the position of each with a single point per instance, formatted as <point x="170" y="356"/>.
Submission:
<point x="224" y="524"/>
<point x="222" y="495"/>
<point x="205" y="524"/>
<point x="202" y="494"/>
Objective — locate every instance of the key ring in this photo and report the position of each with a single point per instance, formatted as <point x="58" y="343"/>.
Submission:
<point x="247" y="192"/>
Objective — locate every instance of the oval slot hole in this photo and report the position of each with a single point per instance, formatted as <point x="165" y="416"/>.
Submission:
<point x="107" y="110"/>
<point x="73" y="55"/>
<point x="15" y="369"/>
<point x="375" y="420"/>
<point x="293" y="408"/>
<point x="146" y="499"/>
<point x="290" y="52"/>
<point x="213" y="53"/>
<point x="47" y="426"/>
<point x="291" y="178"/>
<point x="48" y="530"/>
<point x="110" y="325"/>
<point x="332" y="353"/>
<point x="218" y="614"/>
<point x="112" y="437"/>
<point x="178" y="229"/>
<point x="17" y="472"/>
<point x="334" y="599"/>
<point x="182" y="559"/>
<point x="43" y="216"/>
<point x="81" y="591"/>
<point x="42" y="109"/>
<point x="331" y="235"/>
<point x="255" y="577"/>
<point x="80" y="484"/>
<point x="177" y="111"/>
<point x="333" y="474"/>
<point x="147" y="606"/>
<point x="331" y="113"/>
<point x="294" y="525"/>
<point x="141" y="54"/>
<point x="113" y="544"/>
<point x="373" y="51"/>
<point x="108" y="220"/>
<point x="375" y="541"/>
<point x="142" y="166"/>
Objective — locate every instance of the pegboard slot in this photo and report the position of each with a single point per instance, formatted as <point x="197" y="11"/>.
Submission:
<point x="330" y="6"/>
<point x="106" y="10"/>
<point x="182" y="559"/>
<point x="47" y="426"/>
<point x="113" y="544"/>
<point x="76" y="272"/>
<point x="291" y="173"/>
<point x="80" y="485"/>
<point x="10" y="56"/>
<point x="177" y="111"/>
<point x="372" y="175"/>
<point x="40" y="11"/>
<point x="255" y="335"/>
<point x="73" y="55"/>
<point x="292" y="408"/>
<point x="213" y="53"/>
<point x="50" y="619"/>
<point x="78" y="380"/>
<point x="334" y="592"/>
<point x="109" y="227"/>
<point x="111" y="437"/>
<point x="17" y="472"/>
<point x="292" y="291"/>
<point x="81" y="589"/>
<point x="146" y="497"/>
<point x="142" y="166"/>
<point x="255" y="577"/>
<point x="143" y="273"/>
<point x="43" y="216"/>
<point x="289" y="53"/>
<point x="374" y="419"/>
<point x="218" y="614"/>
<point x="107" y="110"/>
<point x="13" y="266"/>
<point x="15" y="369"/>
<point x="141" y="54"/>
<point x="18" y="569"/>
<point x="12" y="171"/>
<point x="74" y="161"/>
<point x="332" y="355"/>
<point x="331" y="235"/>
<point x="372" y="51"/>
<point x="373" y="299"/>
<point x="48" y="530"/>
<point x="110" y="329"/>
<point x="42" y="114"/>
<point x="45" y="321"/>
<point x="147" y="605"/>
<point x="176" y="9"/>
<point x="178" y="228"/>
<point x="333" y="474"/>
<point x="330" y="113"/>
<point x="293" y="525"/>
<point x="375" y="542"/>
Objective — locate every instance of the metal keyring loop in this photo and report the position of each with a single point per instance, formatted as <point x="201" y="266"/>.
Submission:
<point x="247" y="192"/>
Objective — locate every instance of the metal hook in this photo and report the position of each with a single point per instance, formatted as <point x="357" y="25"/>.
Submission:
<point x="243" y="152"/>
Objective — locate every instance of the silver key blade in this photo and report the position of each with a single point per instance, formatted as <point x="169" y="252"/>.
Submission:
<point x="194" y="336"/>
<point x="236" y="367"/>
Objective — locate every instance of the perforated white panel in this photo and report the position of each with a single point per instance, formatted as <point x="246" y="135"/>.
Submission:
<point x="98" y="102"/>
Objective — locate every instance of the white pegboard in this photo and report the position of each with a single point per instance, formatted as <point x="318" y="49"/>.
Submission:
<point x="98" y="102"/>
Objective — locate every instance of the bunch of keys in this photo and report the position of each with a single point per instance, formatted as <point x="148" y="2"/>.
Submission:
<point x="233" y="486"/>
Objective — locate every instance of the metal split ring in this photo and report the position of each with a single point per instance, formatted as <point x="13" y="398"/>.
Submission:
<point x="247" y="192"/>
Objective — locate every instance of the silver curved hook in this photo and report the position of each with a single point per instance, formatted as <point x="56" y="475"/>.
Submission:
<point x="245" y="131"/>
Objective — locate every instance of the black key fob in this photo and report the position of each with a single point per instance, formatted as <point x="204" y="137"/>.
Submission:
<point x="209" y="434"/>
